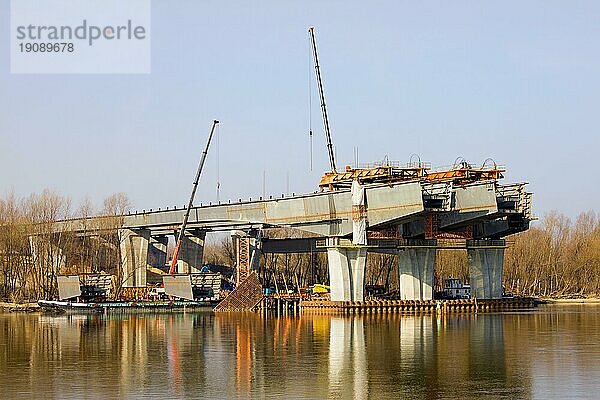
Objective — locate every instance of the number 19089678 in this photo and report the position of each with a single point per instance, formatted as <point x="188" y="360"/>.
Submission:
<point x="46" y="47"/>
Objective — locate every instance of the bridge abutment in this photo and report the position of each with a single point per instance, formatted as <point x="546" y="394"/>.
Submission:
<point x="486" y="260"/>
<point x="416" y="268"/>
<point x="346" y="271"/>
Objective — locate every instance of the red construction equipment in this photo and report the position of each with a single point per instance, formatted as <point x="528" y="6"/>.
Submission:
<point x="189" y="207"/>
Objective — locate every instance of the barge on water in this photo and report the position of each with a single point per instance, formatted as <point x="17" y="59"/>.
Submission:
<point x="96" y="293"/>
<point x="123" y="306"/>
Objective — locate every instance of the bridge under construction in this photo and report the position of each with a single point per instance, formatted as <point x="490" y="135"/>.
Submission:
<point x="411" y="211"/>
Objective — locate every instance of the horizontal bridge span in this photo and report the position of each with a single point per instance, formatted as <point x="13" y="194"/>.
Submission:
<point x="329" y="214"/>
<point x="326" y="213"/>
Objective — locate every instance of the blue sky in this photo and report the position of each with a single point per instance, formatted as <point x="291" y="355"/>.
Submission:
<point x="515" y="81"/>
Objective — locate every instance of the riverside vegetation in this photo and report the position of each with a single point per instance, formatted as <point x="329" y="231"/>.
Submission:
<point x="556" y="257"/>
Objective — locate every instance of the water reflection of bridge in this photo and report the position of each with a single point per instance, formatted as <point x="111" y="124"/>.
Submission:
<point x="362" y="357"/>
<point x="312" y="356"/>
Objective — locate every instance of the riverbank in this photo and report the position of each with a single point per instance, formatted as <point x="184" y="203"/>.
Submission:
<point x="33" y="307"/>
<point x="19" y="307"/>
<point x="591" y="300"/>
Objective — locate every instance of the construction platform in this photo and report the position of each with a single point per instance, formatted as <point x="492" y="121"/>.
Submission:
<point x="418" y="306"/>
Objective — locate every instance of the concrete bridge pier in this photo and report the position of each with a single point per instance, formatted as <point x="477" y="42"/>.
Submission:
<point x="415" y="269"/>
<point x="46" y="251"/>
<point x="134" y="256"/>
<point x="346" y="271"/>
<point x="157" y="251"/>
<point x="486" y="259"/>
<point x="191" y="253"/>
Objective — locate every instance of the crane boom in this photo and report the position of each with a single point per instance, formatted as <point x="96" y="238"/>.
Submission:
<point x="189" y="207"/>
<point x="322" y="97"/>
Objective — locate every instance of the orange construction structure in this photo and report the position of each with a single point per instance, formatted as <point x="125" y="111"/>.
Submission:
<point x="389" y="172"/>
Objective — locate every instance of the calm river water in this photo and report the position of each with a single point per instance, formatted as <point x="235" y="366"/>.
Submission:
<point x="553" y="352"/>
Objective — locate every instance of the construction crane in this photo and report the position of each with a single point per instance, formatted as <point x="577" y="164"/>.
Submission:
<point x="189" y="207"/>
<point x="311" y="32"/>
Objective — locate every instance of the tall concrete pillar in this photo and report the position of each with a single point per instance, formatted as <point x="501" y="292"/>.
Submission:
<point x="104" y="257"/>
<point x="45" y="252"/>
<point x="486" y="259"/>
<point x="157" y="251"/>
<point x="191" y="252"/>
<point x="346" y="271"/>
<point x="134" y="256"/>
<point x="415" y="267"/>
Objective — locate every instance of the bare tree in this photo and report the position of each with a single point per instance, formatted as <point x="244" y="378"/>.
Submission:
<point x="111" y="224"/>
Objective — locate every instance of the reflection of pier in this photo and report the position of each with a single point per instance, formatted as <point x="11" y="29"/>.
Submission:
<point x="347" y="359"/>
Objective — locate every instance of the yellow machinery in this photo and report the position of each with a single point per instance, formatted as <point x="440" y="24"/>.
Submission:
<point x="320" y="289"/>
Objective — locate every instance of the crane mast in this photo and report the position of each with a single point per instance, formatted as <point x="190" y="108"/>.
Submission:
<point x="189" y="207"/>
<point x="322" y="97"/>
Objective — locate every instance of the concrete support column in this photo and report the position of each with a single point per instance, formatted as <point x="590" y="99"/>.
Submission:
<point x="106" y="251"/>
<point x="157" y="251"/>
<point x="486" y="259"/>
<point x="46" y="253"/>
<point x="191" y="252"/>
<point x="415" y="268"/>
<point x="346" y="271"/>
<point x="134" y="256"/>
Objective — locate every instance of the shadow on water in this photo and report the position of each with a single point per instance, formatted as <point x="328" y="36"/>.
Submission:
<point x="551" y="352"/>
